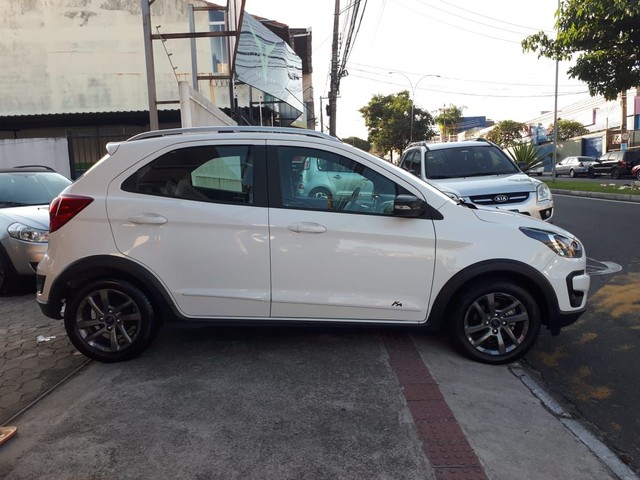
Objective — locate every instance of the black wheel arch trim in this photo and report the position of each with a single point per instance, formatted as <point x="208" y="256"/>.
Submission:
<point x="102" y="267"/>
<point x="527" y="276"/>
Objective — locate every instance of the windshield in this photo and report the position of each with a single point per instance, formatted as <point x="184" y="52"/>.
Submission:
<point x="18" y="189"/>
<point x="471" y="161"/>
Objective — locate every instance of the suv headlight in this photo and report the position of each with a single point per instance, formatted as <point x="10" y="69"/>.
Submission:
<point x="27" y="233"/>
<point x="542" y="192"/>
<point x="560" y="244"/>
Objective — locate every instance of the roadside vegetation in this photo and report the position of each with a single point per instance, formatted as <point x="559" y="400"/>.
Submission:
<point x="628" y="188"/>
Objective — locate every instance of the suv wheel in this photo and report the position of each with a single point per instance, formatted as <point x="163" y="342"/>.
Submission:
<point x="615" y="173"/>
<point x="591" y="173"/>
<point x="110" y="321"/>
<point x="495" y="322"/>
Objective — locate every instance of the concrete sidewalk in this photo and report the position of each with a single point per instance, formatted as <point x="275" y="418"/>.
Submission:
<point x="299" y="404"/>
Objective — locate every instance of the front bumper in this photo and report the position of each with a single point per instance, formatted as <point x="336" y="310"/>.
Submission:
<point x="24" y="256"/>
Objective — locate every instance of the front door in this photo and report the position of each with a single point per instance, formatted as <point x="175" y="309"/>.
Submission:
<point x="346" y="260"/>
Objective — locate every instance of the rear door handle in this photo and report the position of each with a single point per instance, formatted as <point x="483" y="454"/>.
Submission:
<point x="307" y="227"/>
<point x="147" y="219"/>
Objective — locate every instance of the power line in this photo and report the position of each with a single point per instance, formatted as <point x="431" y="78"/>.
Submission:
<point x="491" y="18"/>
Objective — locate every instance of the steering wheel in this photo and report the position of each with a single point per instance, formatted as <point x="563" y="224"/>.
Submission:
<point x="352" y="199"/>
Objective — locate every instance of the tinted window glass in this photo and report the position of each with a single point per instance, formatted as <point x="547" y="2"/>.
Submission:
<point x="30" y="188"/>
<point x="207" y="173"/>
<point x="333" y="183"/>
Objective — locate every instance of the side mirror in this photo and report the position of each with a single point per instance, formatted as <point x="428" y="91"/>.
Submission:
<point x="408" y="206"/>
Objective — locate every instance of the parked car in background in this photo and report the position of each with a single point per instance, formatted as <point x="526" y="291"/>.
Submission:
<point x="535" y="169"/>
<point x="635" y="171"/>
<point x="574" y="166"/>
<point x="617" y="164"/>
<point x="25" y="194"/>
<point x="209" y="225"/>
<point x="480" y="173"/>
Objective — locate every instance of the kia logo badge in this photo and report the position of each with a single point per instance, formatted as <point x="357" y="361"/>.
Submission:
<point x="500" y="198"/>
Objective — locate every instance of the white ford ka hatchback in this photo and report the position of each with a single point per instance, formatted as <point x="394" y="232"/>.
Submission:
<point x="210" y="225"/>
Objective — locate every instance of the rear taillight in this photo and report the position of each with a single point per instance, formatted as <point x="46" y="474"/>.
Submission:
<point x="64" y="208"/>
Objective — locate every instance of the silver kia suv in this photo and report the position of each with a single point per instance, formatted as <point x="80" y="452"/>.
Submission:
<point x="479" y="172"/>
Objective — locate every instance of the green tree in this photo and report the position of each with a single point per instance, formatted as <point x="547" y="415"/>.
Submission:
<point x="358" y="143"/>
<point x="526" y="155"/>
<point x="606" y="36"/>
<point x="568" y="129"/>
<point x="388" y="120"/>
<point x="449" y="120"/>
<point x="507" y="133"/>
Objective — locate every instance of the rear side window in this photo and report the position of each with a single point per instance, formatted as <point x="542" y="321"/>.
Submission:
<point x="205" y="173"/>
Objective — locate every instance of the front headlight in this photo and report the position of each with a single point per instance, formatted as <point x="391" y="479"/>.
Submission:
<point x="563" y="246"/>
<point x="542" y="192"/>
<point x="27" y="233"/>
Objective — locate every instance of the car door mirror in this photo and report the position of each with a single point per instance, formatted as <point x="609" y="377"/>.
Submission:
<point x="408" y="206"/>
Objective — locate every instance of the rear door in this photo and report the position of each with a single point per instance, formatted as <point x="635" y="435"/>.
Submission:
<point x="350" y="260"/>
<point x="196" y="216"/>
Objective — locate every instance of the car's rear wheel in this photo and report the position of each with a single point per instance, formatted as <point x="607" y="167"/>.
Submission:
<point x="495" y="322"/>
<point x="110" y="321"/>
<point x="638" y="174"/>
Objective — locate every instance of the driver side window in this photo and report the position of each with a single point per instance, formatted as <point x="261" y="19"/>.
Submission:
<point x="314" y="179"/>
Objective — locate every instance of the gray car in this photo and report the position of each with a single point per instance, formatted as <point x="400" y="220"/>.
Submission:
<point x="25" y="194"/>
<point x="574" y="166"/>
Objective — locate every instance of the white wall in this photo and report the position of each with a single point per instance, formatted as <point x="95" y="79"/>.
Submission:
<point x="69" y="56"/>
<point x="51" y="152"/>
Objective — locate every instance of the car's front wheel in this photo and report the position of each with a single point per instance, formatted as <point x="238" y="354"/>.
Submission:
<point x="495" y="322"/>
<point x="615" y="173"/>
<point x="110" y="320"/>
<point x="572" y="173"/>
<point x="638" y="174"/>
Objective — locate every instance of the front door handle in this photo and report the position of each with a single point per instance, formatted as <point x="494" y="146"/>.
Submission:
<point x="307" y="227"/>
<point x="337" y="177"/>
<point x="147" y="219"/>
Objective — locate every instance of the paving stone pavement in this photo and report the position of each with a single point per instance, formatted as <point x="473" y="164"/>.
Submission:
<point x="35" y="353"/>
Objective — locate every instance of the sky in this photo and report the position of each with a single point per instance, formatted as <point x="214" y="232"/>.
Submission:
<point x="460" y="52"/>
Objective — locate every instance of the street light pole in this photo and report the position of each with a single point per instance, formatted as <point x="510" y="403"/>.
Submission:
<point x="413" y="95"/>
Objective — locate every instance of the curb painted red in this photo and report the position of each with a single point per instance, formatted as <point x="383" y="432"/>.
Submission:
<point x="443" y="441"/>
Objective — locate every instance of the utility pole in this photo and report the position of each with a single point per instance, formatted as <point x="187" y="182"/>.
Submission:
<point x="333" y="91"/>
<point x="148" y="53"/>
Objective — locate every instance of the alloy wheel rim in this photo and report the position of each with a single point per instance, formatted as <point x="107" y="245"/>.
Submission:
<point x="496" y="323"/>
<point x="108" y="320"/>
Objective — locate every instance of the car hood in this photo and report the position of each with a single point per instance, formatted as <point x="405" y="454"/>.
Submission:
<point x="36" y="216"/>
<point x="486" y="184"/>
<point x="505" y="217"/>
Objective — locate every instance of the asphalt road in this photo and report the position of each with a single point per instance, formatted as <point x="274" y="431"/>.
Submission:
<point x="594" y="364"/>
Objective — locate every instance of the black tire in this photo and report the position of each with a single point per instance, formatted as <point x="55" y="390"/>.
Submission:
<point x="485" y="331"/>
<point x="572" y="173"/>
<point x="7" y="275"/>
<point x="591" y="173"/>
<point x="615" y="173"/>
<point x="110" y="321"/>
<point x="638" y="174"/>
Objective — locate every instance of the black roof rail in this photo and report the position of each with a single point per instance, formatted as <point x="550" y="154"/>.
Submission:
<point x="231" y="129"/>
<point x="46" y="167"/>
<point x="421" y="143"/>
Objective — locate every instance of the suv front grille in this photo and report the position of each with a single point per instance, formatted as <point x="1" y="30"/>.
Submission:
<point x="500" y="198"/>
